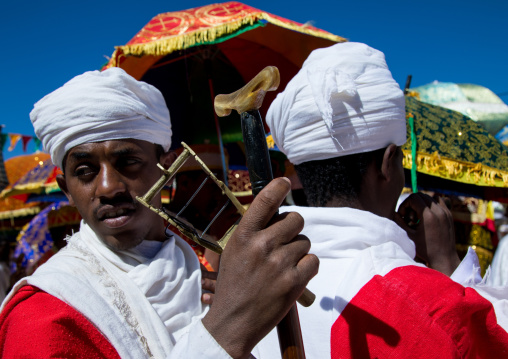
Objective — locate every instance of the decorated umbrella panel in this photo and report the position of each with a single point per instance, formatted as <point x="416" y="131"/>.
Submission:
<point x="17" y="167"/>
<point x="35" y="240"/>
<point x="191" y="55"/>
<point x="475" y="101"/>
<point x="453" y="153"/>
<point x="40" y="182"/>
<point x="14" y="210"/>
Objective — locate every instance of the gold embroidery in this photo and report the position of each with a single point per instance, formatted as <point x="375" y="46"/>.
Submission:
<point x="452" y="146"/>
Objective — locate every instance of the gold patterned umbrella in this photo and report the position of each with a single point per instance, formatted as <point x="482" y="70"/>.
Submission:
<point x="457" y="156"/>
<point x="475" y="101"/>
<point x="453" y="153"/>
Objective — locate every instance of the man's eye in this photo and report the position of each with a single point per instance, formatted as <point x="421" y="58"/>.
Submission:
<point x="128" y="162"/>
<point x="83" y="171"/>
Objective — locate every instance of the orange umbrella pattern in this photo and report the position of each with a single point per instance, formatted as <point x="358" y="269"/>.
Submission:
<point x="15" y="168"/>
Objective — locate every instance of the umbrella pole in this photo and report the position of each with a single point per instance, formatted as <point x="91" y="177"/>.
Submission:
<point x="208" y="68"/>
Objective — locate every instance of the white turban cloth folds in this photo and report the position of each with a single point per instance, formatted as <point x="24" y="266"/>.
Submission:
<point x="343" y="101"/>
<point x="99" y="106"/>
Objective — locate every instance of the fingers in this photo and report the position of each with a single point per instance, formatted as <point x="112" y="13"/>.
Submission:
<point x="300" y="267"/>
<point x="265" y="205"/>
<point x="207" y="298"/>
<point x="417" y="202"/>
<point x="270" y="231"/>
<point x="401" y="222"/>
<point x="264" y="268"/>
<point x="285" y="226"/>
<point x="417" y="206"/>
<point x="208" y="284"/>
<point x="432" y="232"/>
<point x="208" y="279"/>
<point x="292" y="252"/>
<point x="308" y="267"/>
<point x="446" y="210"/>
<point x="206" y="274"/>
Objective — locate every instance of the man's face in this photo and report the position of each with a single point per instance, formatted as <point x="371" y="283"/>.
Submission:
<point x="103" y="179"/>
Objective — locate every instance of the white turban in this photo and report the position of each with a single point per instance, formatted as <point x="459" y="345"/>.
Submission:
<point x="99" y="106"/>
<point x="343" y="101"/>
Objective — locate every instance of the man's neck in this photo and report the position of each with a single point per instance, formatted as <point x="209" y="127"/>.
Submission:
<point x="342" y="202"/>
<point x="369" y="206"/>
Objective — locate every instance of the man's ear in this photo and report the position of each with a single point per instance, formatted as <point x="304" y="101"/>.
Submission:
<point x="167" y="159"/>
<point x="60" y="179"/>
<point x="389" y="161"/>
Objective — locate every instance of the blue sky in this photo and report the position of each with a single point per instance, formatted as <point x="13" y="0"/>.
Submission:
<point x="46" y="43"/>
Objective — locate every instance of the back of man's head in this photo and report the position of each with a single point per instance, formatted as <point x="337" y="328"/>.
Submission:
<point x="336" y="116"/>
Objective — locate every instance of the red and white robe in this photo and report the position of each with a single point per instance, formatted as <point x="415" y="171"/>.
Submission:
<point x="88" y="301"/>
<point x="374" y="301"/>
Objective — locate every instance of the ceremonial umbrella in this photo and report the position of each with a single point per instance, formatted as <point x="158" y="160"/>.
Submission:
<point x="38" y="180"/>
<point x="191" y="55"/>
<point x="35" y="240"/>
<point x="475" y="101"/>
<point x="14" y="211"/>
<point x="17" y="167"/>
<point x="453" y="153"/>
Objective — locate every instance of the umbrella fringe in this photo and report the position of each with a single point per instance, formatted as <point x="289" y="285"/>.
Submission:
<point x="212" y="35"/>
<point x="36" y="188"/>
<point x="20" y="212"/>
<point x="460" y="171"/>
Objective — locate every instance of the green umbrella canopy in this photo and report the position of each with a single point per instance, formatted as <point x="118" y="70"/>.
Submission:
<point x="453" y="151"/>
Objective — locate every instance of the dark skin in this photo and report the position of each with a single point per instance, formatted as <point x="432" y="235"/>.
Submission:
<point x="264" y="268"/>
<point x="103" y="179"/>
<point x="431" y="228"/>
<point x="277" y="260"/>
<point x="428" y="223"/>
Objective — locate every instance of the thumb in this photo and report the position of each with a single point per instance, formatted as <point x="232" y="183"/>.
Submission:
<point x="265" y="205"/>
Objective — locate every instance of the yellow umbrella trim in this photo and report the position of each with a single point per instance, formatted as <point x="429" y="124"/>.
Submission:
<point x="460" y="171"/>
<point x="30" y="188"/>
<point x="20" y="212"/>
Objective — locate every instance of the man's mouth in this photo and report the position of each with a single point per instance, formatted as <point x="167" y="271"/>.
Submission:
<point x="115" y="216"/>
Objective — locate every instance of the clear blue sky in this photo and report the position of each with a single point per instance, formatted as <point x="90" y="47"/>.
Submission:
<point x="46" y="43"/>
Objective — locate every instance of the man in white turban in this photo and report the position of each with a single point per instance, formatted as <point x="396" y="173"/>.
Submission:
<point x="124" y="286"/>
<point x="341" y="122"/>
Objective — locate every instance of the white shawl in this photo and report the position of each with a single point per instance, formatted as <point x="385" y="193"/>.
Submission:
<point x="141" y="305"/>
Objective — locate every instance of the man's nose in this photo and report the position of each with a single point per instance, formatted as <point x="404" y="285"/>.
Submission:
<point x="110" y="182"/>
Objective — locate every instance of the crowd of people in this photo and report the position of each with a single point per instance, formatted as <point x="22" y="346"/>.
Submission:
<point x="388" y="280"/>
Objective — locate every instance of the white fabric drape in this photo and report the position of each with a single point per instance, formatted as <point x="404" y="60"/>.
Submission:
<point x="98" y="106"/>
<point x="353" y="246"/>
<point x="343" y="101"/>
<point x="143" y="306"/>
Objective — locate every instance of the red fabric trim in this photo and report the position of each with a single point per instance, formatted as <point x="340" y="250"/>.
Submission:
<point x="415" y="312"/>
<point x="34" y="324"/>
